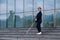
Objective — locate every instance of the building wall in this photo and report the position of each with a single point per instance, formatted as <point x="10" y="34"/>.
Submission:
<point x="21" y="13"/>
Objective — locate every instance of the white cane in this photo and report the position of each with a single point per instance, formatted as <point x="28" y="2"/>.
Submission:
<point x="30" y="28"/>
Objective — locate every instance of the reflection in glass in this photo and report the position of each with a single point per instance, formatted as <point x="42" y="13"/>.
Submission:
<point x="58" y="18"/>
<point x="28" y="5"/>
<point x="19" y="19"/>
<point x="48" y="4"/>
<point x="57" y="4"/>
<point x="3" y="14"/>
<point x="3" y="21"/>
<point x="28" y="17"/>
<point x="25" y="19"/>
<point x="10" y="13"/>
<point x="10" y="5"/>
<point x="48" y="19"/>
<point x="11" y="19"/>
<point x="19" y="5"/>
<point x="2" y="6"/>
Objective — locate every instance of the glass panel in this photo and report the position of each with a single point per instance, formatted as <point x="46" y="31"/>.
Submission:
<point x="3" y="14"/>
<point x="11" y="13"/>
<point x="19" y="20"/>
<point x="57" y="3"/>
<point x="28" y="5"/>
<point x="48" y="4"/>
<point x="58" y="18"/>
<point x="19" y="5"/>
<point x="2" y="6"/>
<point x="3" y="21"/>
<point x="38" y="3"/>
<point x="10" y="5"/>
<point x="48" y="18"/>
<point x="11" y="20"/>
<point x="28" y="17"/>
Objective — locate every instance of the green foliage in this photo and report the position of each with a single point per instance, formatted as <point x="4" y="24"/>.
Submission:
<point x="58" y="21"/>
<point x="28" y="23"/>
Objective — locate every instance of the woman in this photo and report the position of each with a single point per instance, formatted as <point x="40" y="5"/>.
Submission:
<point x="39" y="20"/>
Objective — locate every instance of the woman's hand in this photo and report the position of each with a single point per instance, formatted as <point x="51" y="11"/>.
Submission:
<point x="35" y="20"/>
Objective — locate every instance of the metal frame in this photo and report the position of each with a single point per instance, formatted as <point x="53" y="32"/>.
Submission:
<point x="15" y="13"/>
<point x="6" y="13"/>
<point x="54" y="13"/>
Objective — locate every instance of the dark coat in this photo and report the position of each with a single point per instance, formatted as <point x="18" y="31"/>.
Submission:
<point x="39" y="17"/>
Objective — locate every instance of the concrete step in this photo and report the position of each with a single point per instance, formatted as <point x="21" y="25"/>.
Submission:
<point x="20" y="34"/>
<point x="58" y="28"/>
<point x="20" y="38"/>
<point x="31" y="31"/>
<point x="31" y="36"/>
<point x="3" y="38"/>
<point x="24" y="30"/>
<point x="30" y="39"/>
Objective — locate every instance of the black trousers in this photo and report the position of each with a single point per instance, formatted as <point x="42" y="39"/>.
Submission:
<point x="38" y="26"/>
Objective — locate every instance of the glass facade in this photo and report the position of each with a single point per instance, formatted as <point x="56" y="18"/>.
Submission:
<point x="21" y="13"/>
<point x="58" y="18"/>
<point x="48" y="4"/>
<point x="48" y="18"/>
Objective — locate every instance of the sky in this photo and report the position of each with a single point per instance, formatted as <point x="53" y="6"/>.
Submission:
<point x="28" y="5"/>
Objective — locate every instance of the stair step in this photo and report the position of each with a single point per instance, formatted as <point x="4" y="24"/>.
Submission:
<point x="20" y="34"/>
<point x="34" y="31"/>
<point x="26" y="28"/>
<point x="3" y="38"/>
<point x="30" y="36"/>
<point x="58" y="33"/>
<point x="30" y="39"/>
<point x="21" y="39"/>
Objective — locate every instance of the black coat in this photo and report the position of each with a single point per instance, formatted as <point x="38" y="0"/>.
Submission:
<point x="39" y="17"/>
